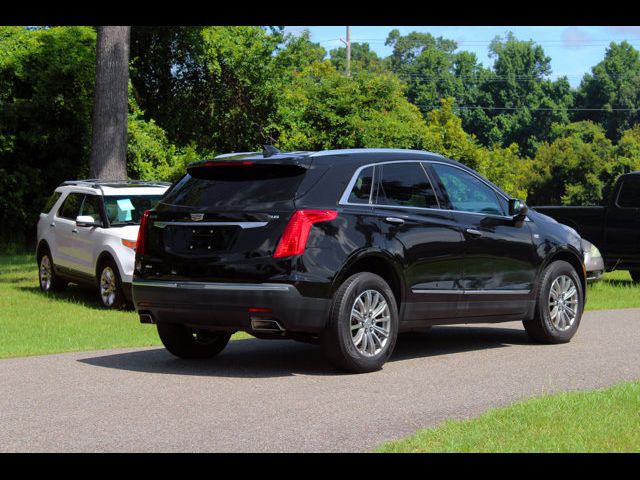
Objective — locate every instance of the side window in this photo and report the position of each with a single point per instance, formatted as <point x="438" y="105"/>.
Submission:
<point x="91" y="207"/>
<point x="51" y="202"/>
<point x="466" y="192"/>
<point x="629" y="196"/>
<point x="70" y="208"/>
<point x="362" y="188"/>
<point x="405" y="184"/>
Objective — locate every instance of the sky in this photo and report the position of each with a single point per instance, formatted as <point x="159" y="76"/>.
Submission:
<point x="573" y="49"/>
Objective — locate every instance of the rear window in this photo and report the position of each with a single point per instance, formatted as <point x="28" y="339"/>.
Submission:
<point x="629" y="196"/>
<point x="51" y="202"/>
<point x="237" y="187"/>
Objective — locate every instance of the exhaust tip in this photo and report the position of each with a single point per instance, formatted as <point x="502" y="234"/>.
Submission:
<point x="266" y="325"/>
<point x="146" y="318"/>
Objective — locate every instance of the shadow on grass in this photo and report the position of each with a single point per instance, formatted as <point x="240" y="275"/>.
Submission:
<point x="79" y="294"/>
<point x="253" y="358"/>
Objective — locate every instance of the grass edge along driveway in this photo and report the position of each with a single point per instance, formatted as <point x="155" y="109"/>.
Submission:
<point x="604" y="420"/>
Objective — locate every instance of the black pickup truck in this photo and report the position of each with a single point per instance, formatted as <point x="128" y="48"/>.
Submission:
<point x="614" y="229"/>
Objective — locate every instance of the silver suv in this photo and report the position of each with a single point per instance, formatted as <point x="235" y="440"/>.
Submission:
<point x="87" y="234"/>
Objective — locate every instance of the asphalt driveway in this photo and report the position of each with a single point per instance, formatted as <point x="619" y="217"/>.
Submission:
<point x="277" y="396"/>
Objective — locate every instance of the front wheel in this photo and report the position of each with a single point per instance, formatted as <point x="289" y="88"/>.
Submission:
<point x="559" y="305"/>
<point x="110" y="286"/>
<point x="184" y="342"/>
<point x="363" y="324"/>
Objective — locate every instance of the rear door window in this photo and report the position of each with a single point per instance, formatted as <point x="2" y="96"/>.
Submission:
<point x="629" y="196"/>
<point x="237" y="187"/>
<point x="70" y="208"/>
<point x="405" y="184"/>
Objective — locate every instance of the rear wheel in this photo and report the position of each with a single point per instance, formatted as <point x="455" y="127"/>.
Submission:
<point x="49" y="280"/>
<point x="185" y="342"/>
<point x="635" y="275"/>
<point x="363" y="324"/>
<point x="559" y="305"/>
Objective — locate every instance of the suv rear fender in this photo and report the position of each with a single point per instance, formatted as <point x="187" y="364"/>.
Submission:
<point x="378" y="262"/>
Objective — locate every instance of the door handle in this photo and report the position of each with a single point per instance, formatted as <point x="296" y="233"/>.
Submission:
<point x="473" y="233"/>
<point x="52" y="225"/>
<point x="394" y="220"/>
<point x="75" y="230"/>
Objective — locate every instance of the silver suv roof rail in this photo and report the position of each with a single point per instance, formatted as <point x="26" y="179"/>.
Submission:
<point x="97" y="183"/>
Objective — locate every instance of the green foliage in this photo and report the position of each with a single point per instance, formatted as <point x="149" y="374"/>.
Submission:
<point x="614" y="83"/>
<point x="321" y="108"/>
<point x="575" y="168"/>
<point x="522" y="103"/>
<point x="362" y="58"/>
<point x="150" y="155"/>
<point x="46" y="86"/>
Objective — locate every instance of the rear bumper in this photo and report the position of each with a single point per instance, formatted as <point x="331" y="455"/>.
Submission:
<point x="225" y="305"/>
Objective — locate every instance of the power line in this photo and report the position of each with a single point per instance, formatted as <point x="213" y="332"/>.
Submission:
<point x="546" y="109"/>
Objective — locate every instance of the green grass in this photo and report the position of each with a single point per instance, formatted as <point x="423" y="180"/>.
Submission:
<point x="596" y="421"/>
<point x="35" y="323"/>
<point x="615" y="290"/>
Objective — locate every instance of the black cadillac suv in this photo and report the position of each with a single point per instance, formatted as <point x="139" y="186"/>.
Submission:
<point x="347" y="248"/>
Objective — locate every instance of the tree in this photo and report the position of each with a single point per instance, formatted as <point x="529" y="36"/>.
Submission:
<point x="362" y="57"/>
<point x="613" y="84"/>
<point x="320" y="108"/>
<point x="109" y="134"/>
<point x="521" y="101"/>
<point x="575" y="168"/>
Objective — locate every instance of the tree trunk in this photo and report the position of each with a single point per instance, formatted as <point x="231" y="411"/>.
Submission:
<point x="110" y="106"/>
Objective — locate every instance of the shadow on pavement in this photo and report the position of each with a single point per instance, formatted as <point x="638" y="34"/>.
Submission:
<point x="255" y="358"/>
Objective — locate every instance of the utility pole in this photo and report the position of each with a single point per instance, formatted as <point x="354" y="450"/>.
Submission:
<point x="348" y="51"/>
<point x="348" y="44"/>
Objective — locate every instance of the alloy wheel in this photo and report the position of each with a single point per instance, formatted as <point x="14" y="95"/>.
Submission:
<point x="370" y="323"/>
<point x="563" y="303"/>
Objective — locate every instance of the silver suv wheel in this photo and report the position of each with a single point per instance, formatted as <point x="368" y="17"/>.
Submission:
<point x="108" y="286"/>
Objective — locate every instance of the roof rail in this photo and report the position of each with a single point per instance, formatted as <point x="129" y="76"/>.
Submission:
<point x="96" y="183"/>
<point x="226" y="155"/>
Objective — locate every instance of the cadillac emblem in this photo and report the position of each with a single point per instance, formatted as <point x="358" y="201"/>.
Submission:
<point x="196" y="217"/>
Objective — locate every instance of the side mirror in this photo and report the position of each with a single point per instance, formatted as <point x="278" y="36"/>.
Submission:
<point x="517" y="209"/>
<point x="87" y="221"/>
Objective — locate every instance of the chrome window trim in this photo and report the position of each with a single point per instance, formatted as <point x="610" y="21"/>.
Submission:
<point x="242" y="225"/>
<point x="216" y="286"/>
<point x="347" y="191"/>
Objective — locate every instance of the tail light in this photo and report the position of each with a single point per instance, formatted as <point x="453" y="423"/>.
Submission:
<point x="142" y="234"/>
<point x="294" y="238"/>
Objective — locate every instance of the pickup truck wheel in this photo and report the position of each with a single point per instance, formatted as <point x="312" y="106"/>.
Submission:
<point x="363" y="324"/>
<point x="49" y="280"/>
<point x="110" y="286"/>
<point x="559" y="305"/>
<point x="635" y="275"/>
<point x="184" y="342"/>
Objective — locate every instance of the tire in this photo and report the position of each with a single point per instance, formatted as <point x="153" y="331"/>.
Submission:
<point x="48" y="279"/>
<point x="635" y="275"/>
<point x="545" y="327"/>
<point x="350" y="349"/>
<point x="184" y="342"/>
<point x="110" y="292"/>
